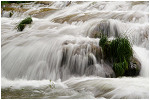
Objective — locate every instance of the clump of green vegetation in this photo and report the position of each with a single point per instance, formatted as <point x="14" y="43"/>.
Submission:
<point x="105" y="44"/>
<point x="10" y="14"/>
<point x="121" y="49"/>
<point x="120" y="68"/>
<point x="103" y="41"/>
<point x="118" y="52"/>
<point x="23" y="23"/>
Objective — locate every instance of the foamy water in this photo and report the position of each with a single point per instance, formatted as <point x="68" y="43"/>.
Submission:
<point x="50" y="57"/>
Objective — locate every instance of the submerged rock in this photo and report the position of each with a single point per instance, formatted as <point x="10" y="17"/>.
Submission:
<point x="103" y="28"/>
<point x="84" y="59"/>
<point x="109" y="72"/>
<point x="43" y="12"/>
<point x="90" y="70"/>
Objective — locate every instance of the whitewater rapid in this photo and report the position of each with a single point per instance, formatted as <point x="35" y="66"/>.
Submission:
<point x="49" y="58"/>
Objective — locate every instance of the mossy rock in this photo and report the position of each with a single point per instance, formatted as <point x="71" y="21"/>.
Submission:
<point x="23" y="23"/>
<point x="127" y="69"/>
<point x="119" y="53"/>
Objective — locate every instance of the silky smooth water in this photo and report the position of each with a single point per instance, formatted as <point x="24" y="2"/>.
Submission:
<point x="50" y="57"/>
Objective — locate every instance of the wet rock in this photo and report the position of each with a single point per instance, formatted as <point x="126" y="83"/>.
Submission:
<point x="44" y="2"/>
<point x="89" y="55"/>
<point x="15" y="9"/>
<point x="68" y="42"/>
<point x="43" y="12"/>
<point x="90" y="60"/>
<point x="109" y="73"/>
<point x="64" y="57"/>
<point x="64" y="19"/>
<point x="75" y="18"/>
<point x="134" y="67"/>
<point x="68" y="3"/>
<point x="98" y="52"/>
<point x="101" y="29"/>
<point x="105" y="28"/>
<point x="90" y="70"/>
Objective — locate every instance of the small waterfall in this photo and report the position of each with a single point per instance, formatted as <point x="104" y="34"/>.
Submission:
<point x="43" y="60"/>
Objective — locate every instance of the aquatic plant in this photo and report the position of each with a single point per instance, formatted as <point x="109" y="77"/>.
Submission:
<point x="23" y="23"/>
<point x="121" y="49"/>
<point x="103" y="41"/>
<point x="118" y="52"/>
<point x="120" y="68"/>
<point x="10" y="14"/>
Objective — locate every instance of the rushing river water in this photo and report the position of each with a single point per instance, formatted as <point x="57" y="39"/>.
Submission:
<point x="49" y="58"/>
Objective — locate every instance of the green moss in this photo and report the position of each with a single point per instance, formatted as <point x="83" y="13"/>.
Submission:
<point x="23" y="23"/>
<point x="118" y="69"/>
<point x="103" y="41"/>
<point x="118" y="52"/>
<point x="125" y="65"/>
<point x="21" y="27"/>
<point x="10" y="14"/>
<point x="121" y="49"/>
<point x="26" y="21"/>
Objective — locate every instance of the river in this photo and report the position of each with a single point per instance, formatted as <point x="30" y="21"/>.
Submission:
<point x="49" y="58"/>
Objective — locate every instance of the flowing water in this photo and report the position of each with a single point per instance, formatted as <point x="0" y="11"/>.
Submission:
<point x="56" y="56"/>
